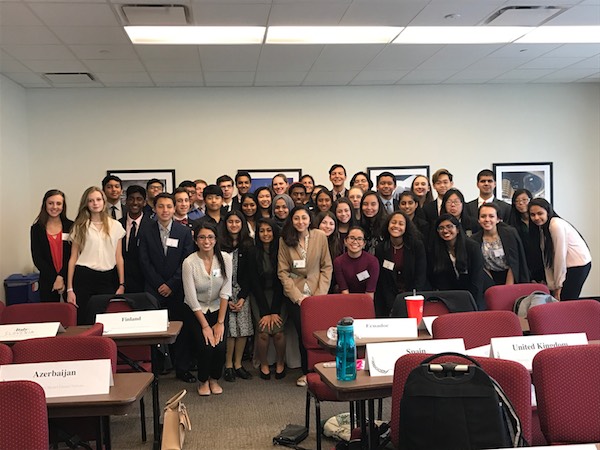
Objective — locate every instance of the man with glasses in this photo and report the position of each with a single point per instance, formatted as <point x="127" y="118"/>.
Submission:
<point x="486" y="183"/>
<point x="442" y="181"/>
<point x="154" y="187"/>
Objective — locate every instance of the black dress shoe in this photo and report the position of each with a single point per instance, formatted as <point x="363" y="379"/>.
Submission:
<point x="229" y="374"/>
<point x="188" y="377"/>
<point x="243" y="373"/>
<point x="280" y="375"/>
<point x="264" y="376"/>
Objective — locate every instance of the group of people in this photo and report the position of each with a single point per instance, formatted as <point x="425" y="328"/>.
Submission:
<point x="234" y="266"/>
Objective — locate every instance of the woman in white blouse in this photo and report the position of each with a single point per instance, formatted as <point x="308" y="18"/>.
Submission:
<point x="207" y="286"/>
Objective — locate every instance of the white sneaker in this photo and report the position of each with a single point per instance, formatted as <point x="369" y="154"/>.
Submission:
<point x="301" y="381"/>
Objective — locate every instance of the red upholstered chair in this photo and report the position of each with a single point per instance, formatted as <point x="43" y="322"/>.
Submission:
<point x="567" y="381"/>
<point x="434" y="308"/>
<point x="23" y="416"/>
<point x="502" y="297"/>
<point x="573" y="316"/>
<point x="6" y="355"/>
<point x="2" y="307"/>
<point x="65" y="313"/>
<point x="94" y="330"/>
<point x="513" y="377"/>
<point x="477" y="328"/>
<point x="319" y="313"/>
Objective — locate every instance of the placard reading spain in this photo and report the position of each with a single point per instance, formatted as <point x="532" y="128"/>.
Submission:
<point x="22" y="331"/>
<point x="522" y="349"/>
<point x="64" y="378"/>
<point x="385" y="328"/>
<point x="134" y="322"/>
<point x="381" y="358"/>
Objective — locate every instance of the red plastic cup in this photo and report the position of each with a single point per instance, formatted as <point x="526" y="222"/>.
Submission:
<point x="414" y="307"/>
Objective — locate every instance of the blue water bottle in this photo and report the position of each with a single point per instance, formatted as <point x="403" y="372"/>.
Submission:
<point x="345" y="356"/>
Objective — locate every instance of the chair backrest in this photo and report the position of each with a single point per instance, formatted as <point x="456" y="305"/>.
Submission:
<point x="74" y="348"/>
<point x="94" y="330"/>
<point x="513" y="377"/>
<point x="502" y="297"/>
<point x="6" y="355"/>
<point x="2" y="307"/>
<point x="65" y="313"/>
<point x="436" y="303"/>
<point x="477" y="328"/>
<point x="320" y="312"/>
<point x="23" y="416"/>
<point x="567" y="386"/>
<point x="99" y="304"/>
<point x="573" y="316"/>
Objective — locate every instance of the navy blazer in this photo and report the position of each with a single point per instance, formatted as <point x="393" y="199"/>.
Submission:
<point x="159" y="268"/>
<point x="513" y="249"/>
<point x="42" y="258"/>
<point x="134" y="276"/>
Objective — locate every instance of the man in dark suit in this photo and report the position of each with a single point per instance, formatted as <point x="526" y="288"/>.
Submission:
<point x="442" y="181"/>
<point x="163" y="247"/>
<point x="486" y="183"/>
<point x="135" y="223"/>
<point x="113" y="188"/>
<point x="386" y="185"/>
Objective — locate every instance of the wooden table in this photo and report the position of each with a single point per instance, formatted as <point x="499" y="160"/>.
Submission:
<point x="330" y="344"/>
<point x="128" y="388"/>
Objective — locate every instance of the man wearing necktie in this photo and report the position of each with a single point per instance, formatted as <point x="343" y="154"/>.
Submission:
<point x="337" y="176"/>
<point x="112" y="187"/>
<point x="386" y="184"/>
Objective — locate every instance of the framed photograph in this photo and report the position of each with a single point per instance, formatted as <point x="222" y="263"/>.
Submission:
<point x="263" y="177"/>
<point x="404" y="176"/>
<point x="141" y="177"/>
<point x="535" y="177"/>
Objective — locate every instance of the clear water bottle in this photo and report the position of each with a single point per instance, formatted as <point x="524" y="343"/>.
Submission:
<point x="345" y="356"/>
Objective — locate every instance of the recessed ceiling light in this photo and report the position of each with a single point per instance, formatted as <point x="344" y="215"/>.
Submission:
<point x="331" y="35"/>
<point x="196" y="35"/>
<point x="563" y="35"/>
<point x="460" y="35"/>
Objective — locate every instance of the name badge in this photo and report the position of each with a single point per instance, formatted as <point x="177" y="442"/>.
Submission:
<point x="381" y="358"/>
<point x="522" y="349"/>
<point x="299" y="264"/>
<point x="389" y="265"/>
<point x="65" y="236"/>
<point x="64" y="378"/>
<point x="386" y="328"/>
<point x="22" y="331"/>
<point x="171" y="242"/>
<point x="132" y="322"/>
<point x="216" y="273"/>
<point x="364" y="275"/>
<point x="499" y="252"/>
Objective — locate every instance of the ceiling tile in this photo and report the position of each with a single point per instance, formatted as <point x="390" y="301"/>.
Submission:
<point x="27" y="35"/>
<point x="378" y="76"/>
<point x="472" y="12"/>
<point x="504" y="64"/>
<point x="402" y="57"/>
<point x="48" y="52"/>
<point x="313" y="13"/>
<point x="103" y="51"/>
<point x="92" y="35"/>
<point x="329" y="78"/>
<point x="568" y="75"/>
<point x="167" y="51"/>
<point x="549" y="63"/>
<point x="457" y="56"/>
<point x="524" y="75"/>
<point x="284" y="57"/>
<point x="346" y="57"/>
<point x="219" y="14"/>
<point x="55" y="65"/>
<point x="228" y="77"/>
<point x="28" y="79"/>
<point x="8" y="64"/>
<point x="382" y="12"/>
<point x="173" y="65"/>
<point x="293" y="77"/>
<point x="474" y="76"/>
<point x="17" y="14"/>
<point x="75" y="15"/>
<point x="577" y="50"/>
<point x="525" y="51"/>
<point x="589" y="63"/>
<point x="428" y="76"/>
<point x="122" y="77"/>
<point x="577" y="15"/>
<point x="236" y="58"/>
<point x="114" y="65"/>
<point x="173" y="78"/>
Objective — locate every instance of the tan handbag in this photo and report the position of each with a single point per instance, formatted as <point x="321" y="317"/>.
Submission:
<point x="175" y="423"/>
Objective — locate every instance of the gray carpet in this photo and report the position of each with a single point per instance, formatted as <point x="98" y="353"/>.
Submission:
<point x="246" y="416"/>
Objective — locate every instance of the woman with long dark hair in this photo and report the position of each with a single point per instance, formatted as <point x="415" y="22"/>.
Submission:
<point x="408" y="203"/>
<point x="421" y="187"/>
<point x="264" y="200"/>
<point x="249" y="208"/>
<point x="455" y="260"/>
<point x="372" y="218"/>
<point x="567" y="257"/>
<point x="528" y="232"/>
<point x="50" y="246"/>
<point x="344" y="213"/>
<point x="327" y="223"/>
<point x="324" y="200"/>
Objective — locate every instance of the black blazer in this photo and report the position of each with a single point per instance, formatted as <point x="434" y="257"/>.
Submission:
<point x="257" y="281"/>
<point x="413" y="274"/>
<point x="134" y="276"/>
<point x="159" y="268"/>
<point x="42" y="258"/>
<point x="513" y="249"/>
<point x="430" y="211"/>
<point x="471" y="281"/>
<point x="473" y="209"/>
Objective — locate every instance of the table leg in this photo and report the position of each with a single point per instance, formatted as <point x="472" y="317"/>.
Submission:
<point x="364" y="434"/>
<point x="155" y="399"/>
<point x="106" y="425"/>
<point x="372" y="433"/>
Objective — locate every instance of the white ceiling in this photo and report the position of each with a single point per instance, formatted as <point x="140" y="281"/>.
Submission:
<point x="46" y="36"/>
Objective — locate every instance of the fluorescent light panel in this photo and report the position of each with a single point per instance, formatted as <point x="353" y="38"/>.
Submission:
<point x="331" y="35"/>
<point x="196" y="35"/>
<point x="562" y="35"/>
<point x="460" y="35"/>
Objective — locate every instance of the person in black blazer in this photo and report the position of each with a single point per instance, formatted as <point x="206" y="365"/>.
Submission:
<point x="455" y="260"/>
<point x="442" y="181"/>
<point x="161" y="257"/>
<point x="486" y="183"/>
<point x="135" y="202"/>
<point x="508" y="263"/>
<point x="386" y="185"/>
<point x="402" y="262"/>
<point x="50" y="247"/>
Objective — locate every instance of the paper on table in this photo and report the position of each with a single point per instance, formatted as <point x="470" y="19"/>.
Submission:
<point x="427" y="324"/>
<point x="484" y="350"/>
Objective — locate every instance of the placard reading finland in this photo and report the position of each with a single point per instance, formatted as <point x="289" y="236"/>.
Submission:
<point x="20" y="332"/>
<point x="64" y="378"/>
<point x="385" y="328"/>
<point x="381" y="358"/>
<point x="522" y="349"/>
<point x="134" y="322"/>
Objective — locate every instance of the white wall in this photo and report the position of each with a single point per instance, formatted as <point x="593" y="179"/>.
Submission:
<point x="75" y="135"/>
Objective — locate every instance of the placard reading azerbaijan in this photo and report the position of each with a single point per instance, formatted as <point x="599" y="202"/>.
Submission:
<point x="522" y="349"/>
<point x="381" y="358"/>
<point x="22" y="331"/>
<point x="64" y="378"/>
<point x="385" y="328"/>
<point x="133" y="322"/>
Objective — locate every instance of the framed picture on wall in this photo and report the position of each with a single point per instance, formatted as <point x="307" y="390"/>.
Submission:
<point x="404" y="176"/>
<point x="263" y="177"/>
<point x="141" y="177"/>
<point x="535" y="177"/>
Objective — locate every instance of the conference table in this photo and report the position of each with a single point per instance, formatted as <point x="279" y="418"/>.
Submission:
<point x="330" y="344"/>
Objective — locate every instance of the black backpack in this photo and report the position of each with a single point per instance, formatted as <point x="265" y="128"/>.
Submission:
<point x="453" y="406"/>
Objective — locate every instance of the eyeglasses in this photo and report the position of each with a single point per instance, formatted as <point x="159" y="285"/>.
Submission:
<point x="206" y="238"/>
<point x="446" y="228"/>
<point x="454" y="202"/>
<point x="523" y="201"/>
<point x="355" y="239"/>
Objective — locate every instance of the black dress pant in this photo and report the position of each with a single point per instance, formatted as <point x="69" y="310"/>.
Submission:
<point x="294" y="314"/>
<point x="88" y="282"/>
<point x="181" y="349"/>
<point x="211" y="360"/>
<point x="576" y="276"/>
